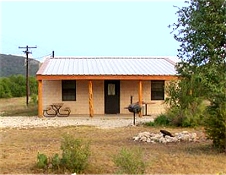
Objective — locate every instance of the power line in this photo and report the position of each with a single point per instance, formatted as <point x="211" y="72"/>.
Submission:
<point x="27" y="67"/>
<point x="43" y="56"/>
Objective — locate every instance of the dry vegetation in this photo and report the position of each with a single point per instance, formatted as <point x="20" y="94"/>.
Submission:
<point x="19" y="148"/>
<point x="8" y="103"/>
<point x="17" y="107"/>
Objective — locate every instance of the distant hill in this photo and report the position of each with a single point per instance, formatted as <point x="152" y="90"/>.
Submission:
<point x="15" y="65"/>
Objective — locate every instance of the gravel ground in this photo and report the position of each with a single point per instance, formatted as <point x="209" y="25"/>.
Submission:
<point x="100" y="122"/>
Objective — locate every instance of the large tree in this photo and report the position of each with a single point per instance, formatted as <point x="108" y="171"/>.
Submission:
<point x="201" y="31"/>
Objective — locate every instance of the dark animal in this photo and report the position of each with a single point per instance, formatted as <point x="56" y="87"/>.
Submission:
<point x="166" y="133"/>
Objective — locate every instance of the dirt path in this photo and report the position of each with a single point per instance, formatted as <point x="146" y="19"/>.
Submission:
<point x="100" y="122"/>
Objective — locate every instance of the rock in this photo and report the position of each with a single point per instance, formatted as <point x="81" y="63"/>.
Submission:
<point x="171" y="139"/>
<point x="148" y="140"/>
<point x="174" y="139"/>
<point x="158" y="137"/>
<point x="162" y="140"/>
<point x="186" y="137"/>
<point x="136" y="138"/>
<point x="152" y="134"/>
<point x="193" y="137"/>
<point x="143" y="139"/>
<point x="144" y="134"/>
<point x="184" y="132"/>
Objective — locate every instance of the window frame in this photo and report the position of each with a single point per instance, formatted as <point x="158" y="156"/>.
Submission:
<point x="68" y="93"/>
<point x="157" y="93"/>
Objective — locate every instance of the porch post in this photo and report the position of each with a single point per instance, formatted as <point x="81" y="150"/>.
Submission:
<point x="90" y="98"/>
<point x="40" y="98"/>
<point x="140" y="92"/>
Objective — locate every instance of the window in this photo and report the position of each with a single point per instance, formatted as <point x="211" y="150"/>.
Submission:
<point x="111" y="89"/>
<point x="68" y="90"/>
<point x="157" y="90"/>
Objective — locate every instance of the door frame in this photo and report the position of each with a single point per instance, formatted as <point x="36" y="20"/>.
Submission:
<point x="112" y="102"/>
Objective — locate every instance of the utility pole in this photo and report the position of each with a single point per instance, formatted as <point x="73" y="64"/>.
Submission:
<point x="27" y="72"/>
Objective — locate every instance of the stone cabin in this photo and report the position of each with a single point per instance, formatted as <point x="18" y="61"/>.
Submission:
<point x="104" y="85"/>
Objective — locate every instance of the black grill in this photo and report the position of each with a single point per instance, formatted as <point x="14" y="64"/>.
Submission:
<point x="135" y="108"/>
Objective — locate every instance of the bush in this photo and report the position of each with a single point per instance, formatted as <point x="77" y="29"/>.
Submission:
<point x="175" y="115"/>
<point x="130" y="161"/>
<point x="42" y="161"/>
<point x="186" y="102"/>
<point x="15" y="86"/>
<point x="34" y="99"/>
<point x="55" y="161"/>
<point x="149" y="123"/>
<point x="162" y="120"/>
<point x="5" y="91"/>
<point x="192" y="116"/>
<point x="75" y="154"/>
<point x="215" y="125"/>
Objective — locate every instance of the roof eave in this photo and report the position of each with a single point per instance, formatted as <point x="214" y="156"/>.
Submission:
<point x="107" y="77"/>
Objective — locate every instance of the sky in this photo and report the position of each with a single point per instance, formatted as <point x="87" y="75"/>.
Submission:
<point x="89" y="28"/>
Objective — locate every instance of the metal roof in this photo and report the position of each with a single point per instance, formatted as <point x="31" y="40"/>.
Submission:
<point x="107" y="66"/>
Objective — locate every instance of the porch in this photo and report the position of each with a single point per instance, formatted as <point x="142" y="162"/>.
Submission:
<point x="93" y="86"/>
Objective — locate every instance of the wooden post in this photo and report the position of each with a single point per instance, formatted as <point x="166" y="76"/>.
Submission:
<point x="140" y="92"/>
<point x="90" y="99"/>
<point x="40" y="98"/>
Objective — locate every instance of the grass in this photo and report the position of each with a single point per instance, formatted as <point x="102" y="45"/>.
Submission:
<point x="17" y="107"/>
<point x="19" y="149"/>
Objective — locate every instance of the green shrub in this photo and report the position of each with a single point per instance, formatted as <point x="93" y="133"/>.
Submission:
<point x="185" y="101"/>
<point x="55" y="161"/>
<point x="130" y="161"/>
<point x="33" y="83"/>
<point x="15" y="86"/>
<point x="191" y="116"/>
<point x="34" y="99"/>
<point x="149" y="123"/>
<point x="75" y="154"/>
<point x="5" y="90"/>
<point x="215" y="125"/>
<point x="42" y="161"/>
<point x="162" y="120"/>
<point x="175" y="115"/>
